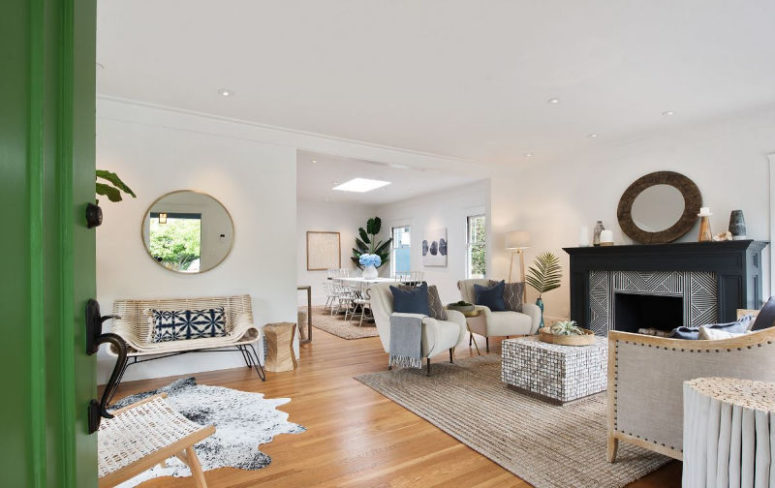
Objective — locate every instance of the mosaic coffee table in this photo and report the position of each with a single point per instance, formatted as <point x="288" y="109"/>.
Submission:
<point x="558" y="374"/>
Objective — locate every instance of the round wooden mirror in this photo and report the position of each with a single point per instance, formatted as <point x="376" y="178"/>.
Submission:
<point x="659" y="207"/>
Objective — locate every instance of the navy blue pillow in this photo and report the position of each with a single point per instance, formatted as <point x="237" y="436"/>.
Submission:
<point x="491" y="296"/>
<point x="693" y="333"/>
<point x="766" y="317"/>
<point x="414" y="300"/>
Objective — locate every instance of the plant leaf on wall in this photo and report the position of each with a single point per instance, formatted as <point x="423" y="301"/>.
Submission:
<point x="364" y="235"/>
<point x="108" y="191"/>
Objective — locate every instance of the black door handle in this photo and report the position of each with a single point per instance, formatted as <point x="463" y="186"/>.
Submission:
<point x="94" y="338"/>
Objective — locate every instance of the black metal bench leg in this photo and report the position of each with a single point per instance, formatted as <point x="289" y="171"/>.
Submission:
<point x="257" y="362"/>
<point x="428" y="370"/>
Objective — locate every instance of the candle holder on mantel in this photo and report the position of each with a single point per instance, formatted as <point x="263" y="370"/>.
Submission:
<point x="705" y="234"/>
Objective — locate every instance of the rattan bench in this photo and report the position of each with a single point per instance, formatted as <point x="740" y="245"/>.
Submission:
<point x="144" y="434"/>
<point x="132" y="323"/>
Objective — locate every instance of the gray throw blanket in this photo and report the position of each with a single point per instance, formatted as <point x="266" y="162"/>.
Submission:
<point x="406" y="340"/>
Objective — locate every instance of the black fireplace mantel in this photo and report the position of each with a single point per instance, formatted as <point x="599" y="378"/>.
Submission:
<point x="737" y="265"/>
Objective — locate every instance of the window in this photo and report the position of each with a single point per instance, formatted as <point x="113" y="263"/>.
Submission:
<point x="176" y="240"/>
<point x="476" y="246"/>
<point x="400" y="259"/>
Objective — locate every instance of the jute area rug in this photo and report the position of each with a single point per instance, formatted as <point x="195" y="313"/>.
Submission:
<point x="545" y="445"/>
<point x="338" y="326"/>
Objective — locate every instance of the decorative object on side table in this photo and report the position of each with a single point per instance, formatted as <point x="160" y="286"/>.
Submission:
<point x="567" y="333"/>
<point x="737" y="225"/>
<point x="599" y="228"/>
<point x="467" y="309"/>
<point x="370" y="263"/>
<point x="544" y="276"/>
<point x="705" y="233"/>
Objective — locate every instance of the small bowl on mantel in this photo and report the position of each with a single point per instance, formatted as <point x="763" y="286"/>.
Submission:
<point x="587" y="339"/>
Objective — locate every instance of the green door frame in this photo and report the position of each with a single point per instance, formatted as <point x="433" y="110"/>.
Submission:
<point x="47" y="131"/>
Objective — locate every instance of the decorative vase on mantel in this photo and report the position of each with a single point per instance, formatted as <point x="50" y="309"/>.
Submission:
<point x="540" y="303"/>
<point x="599" y="228"/>
<point x="737" y="225"/>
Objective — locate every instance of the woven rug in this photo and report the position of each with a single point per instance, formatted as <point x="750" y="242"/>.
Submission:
<point x="338" y="326"/>
<point x="546" y="445"/>
<point x="243" y="421"/>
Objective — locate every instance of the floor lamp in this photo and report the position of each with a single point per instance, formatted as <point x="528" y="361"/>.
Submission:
<point x="516" y="242"/>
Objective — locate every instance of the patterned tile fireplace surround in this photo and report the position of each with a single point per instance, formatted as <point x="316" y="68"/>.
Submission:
<point x="633" y="286"/>
<point x="698" y="292"/>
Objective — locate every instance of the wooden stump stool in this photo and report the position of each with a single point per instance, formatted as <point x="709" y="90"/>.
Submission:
<point x="729" y="433"/>
<point x="279" y="350"/>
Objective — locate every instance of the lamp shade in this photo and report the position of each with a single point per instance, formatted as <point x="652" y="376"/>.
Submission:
<point x="517" y="239"/>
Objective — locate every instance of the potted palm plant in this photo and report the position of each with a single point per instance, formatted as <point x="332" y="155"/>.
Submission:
<point x="544" y="276"/>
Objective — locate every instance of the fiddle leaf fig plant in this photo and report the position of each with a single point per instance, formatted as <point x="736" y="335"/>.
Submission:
<point x="110" y="185"/>
<point x="367" y="243"/>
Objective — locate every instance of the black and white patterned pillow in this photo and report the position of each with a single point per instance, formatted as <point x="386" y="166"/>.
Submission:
<point x="179" y="325"/>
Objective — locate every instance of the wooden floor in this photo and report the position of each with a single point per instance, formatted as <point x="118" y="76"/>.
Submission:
<point x="355" y="437"/>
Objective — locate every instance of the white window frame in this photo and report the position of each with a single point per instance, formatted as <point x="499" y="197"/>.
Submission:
<point x="393" y="246"/>
<point x="470" y="245"/>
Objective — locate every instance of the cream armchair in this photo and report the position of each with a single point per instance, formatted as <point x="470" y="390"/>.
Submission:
<point x="498" y="324"/>
<point x="437" y="335"/>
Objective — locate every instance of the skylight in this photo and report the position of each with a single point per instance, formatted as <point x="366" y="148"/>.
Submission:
<point x="361" y="185"/>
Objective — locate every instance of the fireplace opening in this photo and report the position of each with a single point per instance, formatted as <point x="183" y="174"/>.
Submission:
<point x="636" y="311"/>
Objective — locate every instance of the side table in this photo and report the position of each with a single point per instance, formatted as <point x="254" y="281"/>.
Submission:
<point x="279" y="350"/>
<point x="729" y="432"/>
<point x="469" y="315"/>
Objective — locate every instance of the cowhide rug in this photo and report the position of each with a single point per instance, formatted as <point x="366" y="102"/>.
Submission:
<point x="242" y="420"/>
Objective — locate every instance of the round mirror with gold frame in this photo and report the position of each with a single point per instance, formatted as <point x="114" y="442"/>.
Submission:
<point x="187" y="232"/>
<point x="659" y="207"/>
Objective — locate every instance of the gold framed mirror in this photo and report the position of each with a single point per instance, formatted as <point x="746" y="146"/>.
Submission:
<point x="187" y="232"/>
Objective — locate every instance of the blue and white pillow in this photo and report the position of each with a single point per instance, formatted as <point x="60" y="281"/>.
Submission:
<point x="179" y="325"/>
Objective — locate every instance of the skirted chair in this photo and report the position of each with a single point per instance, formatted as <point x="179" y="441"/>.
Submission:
<point x="646" y="376"/>
<point x="437" y="335"/>
<point x="498" y="324"/>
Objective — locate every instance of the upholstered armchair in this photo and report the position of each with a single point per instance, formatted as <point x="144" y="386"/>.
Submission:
<point x="437" y="335"/>
<point x="646" y="375"/>
<point x="498" y="324"/>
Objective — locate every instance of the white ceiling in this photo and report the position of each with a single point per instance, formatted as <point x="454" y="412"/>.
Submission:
<point x="314" y="181"/>
<point x="463" y="78"/>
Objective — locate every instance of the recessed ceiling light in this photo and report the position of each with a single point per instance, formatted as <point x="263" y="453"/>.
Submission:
<point x="592" y="135"/>
<point x="529" y="155"/>
<point x="668" y="113"/>
<point x="314" y="161"/>
<point x="361" y="185"/>
<point x="553" y="101"/>
<point x="225" y="92"/>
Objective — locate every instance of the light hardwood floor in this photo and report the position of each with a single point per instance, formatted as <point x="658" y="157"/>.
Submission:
<point x="355" y="437"/>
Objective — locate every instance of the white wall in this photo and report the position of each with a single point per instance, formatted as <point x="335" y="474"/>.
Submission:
<point x="448" y="208"/>
<point x="344" y="218"/>
<point x="728" y="161"/>
<point x="256" y="182"/>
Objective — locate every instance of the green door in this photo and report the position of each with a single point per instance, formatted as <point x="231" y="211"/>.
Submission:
<point x="47" y="105"/>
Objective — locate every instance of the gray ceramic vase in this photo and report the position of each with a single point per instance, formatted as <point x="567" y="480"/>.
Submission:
<point x="737" y="225"/>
